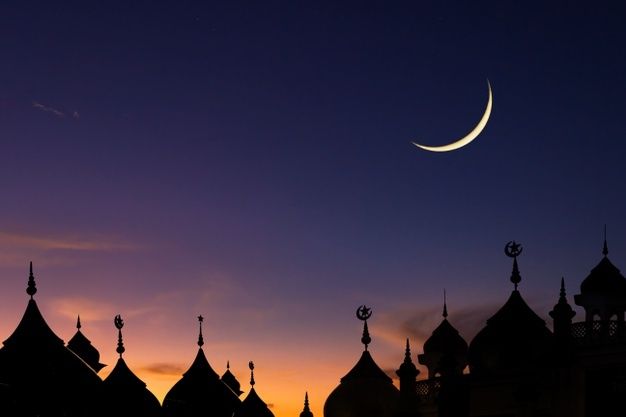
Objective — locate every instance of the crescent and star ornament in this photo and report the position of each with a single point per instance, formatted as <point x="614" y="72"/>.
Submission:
<point x="473" y="134"/>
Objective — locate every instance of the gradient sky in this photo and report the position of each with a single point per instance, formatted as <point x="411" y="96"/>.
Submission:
<point x="252" y="162"/>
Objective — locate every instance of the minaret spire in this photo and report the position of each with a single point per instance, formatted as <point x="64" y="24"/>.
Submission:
<point x="78" y="326"/>
<point x="32" y="287"/>
<point x="119" y="323"/>
<point x="605" y="248"/>
<point x="513" y="250"/>
<point x="445" y="307"/>
<point x="363" y="313"/>
<point x="306" y="411"/>
<point x="200" y="338"/>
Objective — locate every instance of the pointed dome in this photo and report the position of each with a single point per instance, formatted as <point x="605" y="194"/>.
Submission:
<point x="306" y="411"/>
<point x="253" y="405"/>
<point x="365" y="391"/>
<point x="82" y="346"/>
<point x="229" y="379"/>
<point x="515" y="338"/>
<point x="562" y="311"/>
<point x="44" y="376"/>
<point x="445" y="350"/>
<point x="200" y="391"/>
<point x="604" y="289"/>
<point x="125" y="393"/>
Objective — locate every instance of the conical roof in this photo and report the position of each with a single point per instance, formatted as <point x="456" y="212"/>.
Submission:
<point x="229" y="379"/>
<point x="604" y="279"/>
<point x="80" y="345"/>
<point x="366" y="390"/>
<point x="200" y="391"/>
<point x="44" y="376"/>
<point x="253" y="406"/>
<point x="126" y="394"/>
<point x="514" y="337"/>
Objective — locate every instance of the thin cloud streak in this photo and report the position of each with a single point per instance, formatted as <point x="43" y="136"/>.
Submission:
<point x="47" y="109"/>
<point x="53" y="243"/>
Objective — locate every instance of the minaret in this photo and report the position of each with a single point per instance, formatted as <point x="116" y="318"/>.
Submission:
<point x="306" y="411"/>
<point x="562" y="315"/>
<point x="407" y="373"/>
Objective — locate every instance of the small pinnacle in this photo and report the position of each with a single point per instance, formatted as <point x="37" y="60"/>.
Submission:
<point x="407" y="351"/>
<point x="515" y="275"/>
<point x="605" y="248"/>
<point x="78" y="326"/>
<point x="32" y="288"/>
<point x="306" y="401"/>
<point x="366" y="339"/>
<point x="445" y="307"/>
<point x="119" y="323"/>
<point x="227" y="364"/>
<point x="562" y="293"/>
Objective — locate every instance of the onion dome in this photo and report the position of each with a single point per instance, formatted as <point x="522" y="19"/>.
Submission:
<point x="125" y="393"/>
<point x="44" y="376"/>
<point x="253" y="405"/>
<point x="603" y="292"/>
<point x="82" y="346"/>
<point x="445" y="351"/>
<point x="200" y="391"/>
<point x="407" y="371"/>
<point x="229" y="379"/>
<point x="365" y="391"/>
<point x="306" y="411"/>
<point x="514" y="339"/>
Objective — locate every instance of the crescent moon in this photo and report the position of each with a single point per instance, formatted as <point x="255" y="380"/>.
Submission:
<point x="473" y="134"/>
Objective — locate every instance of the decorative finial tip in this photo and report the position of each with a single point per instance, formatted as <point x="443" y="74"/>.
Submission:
<point x="78" y="326"/>
<point x="251" y="366"/>
<point x="445" y="305"/>
<point x="200" y="338"/>
<point x="513" y="249"/>
<point x="119" y="323"/>
<point x="605" y="247"/>
<point x="32" y="287"/>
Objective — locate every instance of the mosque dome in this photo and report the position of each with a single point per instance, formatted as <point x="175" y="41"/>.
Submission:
<point x="515" y="338"/>
<point x="125" y="393"/>
<point x="365" y="391"/>
<point x="229" y="379"/>
<point x="200" y="391"/>
<point x="253" y="405"/>
<point x="43" y="375"/>
<point x="81" y="346"/>
<point x="445" y="350"/>
<point x="604" y="289"/>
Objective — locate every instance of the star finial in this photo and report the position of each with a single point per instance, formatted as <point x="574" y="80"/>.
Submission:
<point x="363" y="313"/>
<point x="513" y="250"/>
<point x="200" y="338"/>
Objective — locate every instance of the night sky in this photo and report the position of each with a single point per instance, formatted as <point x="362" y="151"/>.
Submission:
<point x="252" y="162"/>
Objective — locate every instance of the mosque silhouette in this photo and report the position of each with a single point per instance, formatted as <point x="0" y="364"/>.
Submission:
<point x="514" y="367"/>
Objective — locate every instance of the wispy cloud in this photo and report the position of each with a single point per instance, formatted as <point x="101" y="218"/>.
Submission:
<point x="56" y="112"/>
<point x="63" y="243"/>
<point x="93" y="309"/>
<point x="164" y="368"/>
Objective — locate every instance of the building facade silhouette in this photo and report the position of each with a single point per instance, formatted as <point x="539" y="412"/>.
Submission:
<point x="515" y="366"/>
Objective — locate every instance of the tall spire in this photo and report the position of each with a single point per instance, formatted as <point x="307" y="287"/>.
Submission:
<point x="200" y="338"/>
<point x="306" y="411"/>
<point x="513" y="250"/>
<point x="407" y="351"/>
<point x="605" y="248"/>
<point x="32" y="288"/>
<point x="363" y="313"/>
<point x="78" y="326"/>
<point x="445" y="307"/>
<point x="251" y="366"/>
<point x="119" y="323"/>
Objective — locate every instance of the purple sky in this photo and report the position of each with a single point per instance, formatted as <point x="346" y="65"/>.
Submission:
<point x="252" y="161"/>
